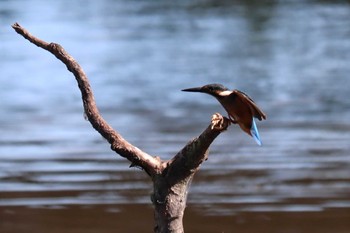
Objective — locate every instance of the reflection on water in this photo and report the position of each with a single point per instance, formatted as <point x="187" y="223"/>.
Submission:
<point x="292" y="58"/>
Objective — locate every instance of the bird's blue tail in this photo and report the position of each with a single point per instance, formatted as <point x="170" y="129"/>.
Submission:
<point x="255" y="133"/>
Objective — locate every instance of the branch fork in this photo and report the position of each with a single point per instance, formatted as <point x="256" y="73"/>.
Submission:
<point x="171" y="179"/>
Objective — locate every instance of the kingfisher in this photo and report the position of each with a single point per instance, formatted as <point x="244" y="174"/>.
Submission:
<point x="240" y="107"/>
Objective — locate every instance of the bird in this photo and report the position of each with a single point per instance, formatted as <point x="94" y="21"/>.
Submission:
<point x="240" y="107"/>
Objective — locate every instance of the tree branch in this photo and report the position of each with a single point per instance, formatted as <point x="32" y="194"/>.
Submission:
<point x="171" y="178"/>
<point x="188" y="160"/>
<point x="137" y="157"/>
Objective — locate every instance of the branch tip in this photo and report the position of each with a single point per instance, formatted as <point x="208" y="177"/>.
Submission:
<point x="219" y="123"/>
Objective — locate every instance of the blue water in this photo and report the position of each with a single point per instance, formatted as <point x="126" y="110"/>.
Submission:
<point x="291" y="57"/>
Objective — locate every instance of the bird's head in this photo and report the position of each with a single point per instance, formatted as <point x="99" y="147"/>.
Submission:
<point x="215" y="90"/>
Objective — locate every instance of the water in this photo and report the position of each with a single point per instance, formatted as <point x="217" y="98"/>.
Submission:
<point x="290" y="56"/>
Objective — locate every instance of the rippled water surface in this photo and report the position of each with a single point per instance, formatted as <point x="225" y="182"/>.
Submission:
<point x="291" y="57"/>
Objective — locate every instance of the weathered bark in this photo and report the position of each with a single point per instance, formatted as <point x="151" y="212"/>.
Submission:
<point x="171" y="187"/>
<point x="171" y="179"/>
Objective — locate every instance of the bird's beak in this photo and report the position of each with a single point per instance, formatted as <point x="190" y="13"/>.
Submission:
<point x="194" y="89"/>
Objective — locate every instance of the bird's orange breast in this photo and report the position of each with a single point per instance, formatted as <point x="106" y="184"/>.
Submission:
<point x="240" y="111"/>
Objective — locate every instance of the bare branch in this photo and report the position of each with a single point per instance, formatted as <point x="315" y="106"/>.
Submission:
<point x="150" y="164"/>
<point x="188" y="160"/>
<point x="171" y="178"/>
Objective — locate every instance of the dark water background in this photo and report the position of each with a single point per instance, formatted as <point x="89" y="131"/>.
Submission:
<point x="293" y="57"/>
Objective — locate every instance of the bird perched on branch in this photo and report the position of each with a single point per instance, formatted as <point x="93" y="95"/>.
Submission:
<point x="240" y="107"/>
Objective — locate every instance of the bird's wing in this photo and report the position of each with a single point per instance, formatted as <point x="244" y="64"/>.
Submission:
<point x="257" y="112"/>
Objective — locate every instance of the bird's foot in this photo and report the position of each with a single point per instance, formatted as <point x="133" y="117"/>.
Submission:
<point x="218" y="122"/>
<point x="232" y="120"/>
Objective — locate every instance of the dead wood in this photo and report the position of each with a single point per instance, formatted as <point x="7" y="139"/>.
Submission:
<point x="171" y="179"/>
